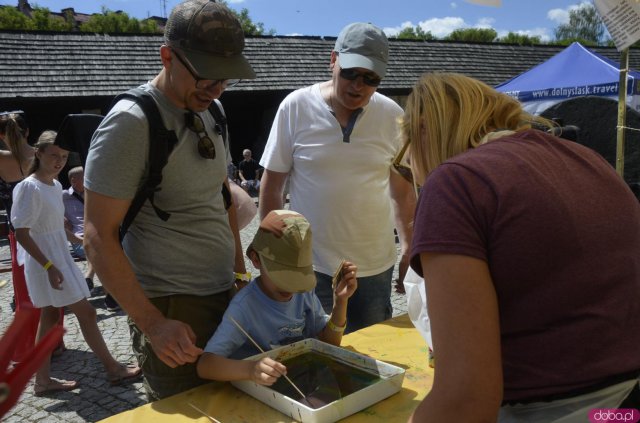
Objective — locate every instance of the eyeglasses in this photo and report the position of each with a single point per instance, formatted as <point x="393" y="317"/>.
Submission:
<point x="205" y="84"/>
<point x="369" y="79"/>
<point x="402" y="169"/>
<point x="206" y="147"/>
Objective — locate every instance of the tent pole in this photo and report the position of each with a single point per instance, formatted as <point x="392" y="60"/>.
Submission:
<point x="622" y="111"/>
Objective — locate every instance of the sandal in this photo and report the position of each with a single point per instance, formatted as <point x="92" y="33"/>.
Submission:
<point x="54" y="385"/>
<point x="127" y="373"/>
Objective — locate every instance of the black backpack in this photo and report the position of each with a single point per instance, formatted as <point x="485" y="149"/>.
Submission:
<point x="76" y="131"/>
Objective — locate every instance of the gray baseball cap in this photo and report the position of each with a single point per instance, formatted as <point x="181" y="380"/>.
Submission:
<point x="210" y="37"/>
<point x="363" y="45"/>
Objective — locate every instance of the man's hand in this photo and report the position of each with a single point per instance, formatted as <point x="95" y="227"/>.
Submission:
<point x="174" y="342"/>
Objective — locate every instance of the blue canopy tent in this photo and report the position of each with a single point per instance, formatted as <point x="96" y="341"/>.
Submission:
<point x="574" y="72"/>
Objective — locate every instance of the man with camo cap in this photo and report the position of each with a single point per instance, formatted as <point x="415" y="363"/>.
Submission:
<point x="173" y="278"/>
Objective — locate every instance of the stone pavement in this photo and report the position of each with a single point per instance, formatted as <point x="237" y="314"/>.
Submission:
<point x="95" y="399"/>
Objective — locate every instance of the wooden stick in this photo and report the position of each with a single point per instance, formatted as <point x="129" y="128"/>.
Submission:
<point x="262" y="351"/>
<point x="204" y="414"/>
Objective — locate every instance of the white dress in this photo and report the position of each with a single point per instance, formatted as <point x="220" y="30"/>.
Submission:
<point x="39" y="207"/>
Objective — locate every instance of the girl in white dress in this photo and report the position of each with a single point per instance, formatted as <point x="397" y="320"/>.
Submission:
<point x="53" y="279"/>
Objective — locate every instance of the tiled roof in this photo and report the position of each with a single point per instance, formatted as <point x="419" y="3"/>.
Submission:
<point x="42" y="64"/>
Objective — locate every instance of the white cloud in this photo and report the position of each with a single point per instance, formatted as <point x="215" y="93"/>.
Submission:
<point x="393" y="31"/>
<point x="561" y="16"/>
<point x="441" y="27"/>
<point x="485" y="23"/>
<point x="454" y="5"/>
<point x="235" y="1"/>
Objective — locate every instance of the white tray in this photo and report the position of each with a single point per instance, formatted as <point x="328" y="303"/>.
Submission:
<point x="390" y="382"/>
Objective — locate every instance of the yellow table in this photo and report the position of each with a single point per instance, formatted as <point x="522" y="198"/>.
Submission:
<point x="394" y="341"/>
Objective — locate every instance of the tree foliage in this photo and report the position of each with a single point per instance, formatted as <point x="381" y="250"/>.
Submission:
<point x="117" y="22"/>
<point x="44" y="21"/>
<point x="106" y="22"/>
<point x="414" y="33"/>
<point x="11" y="18"/>
<point x="248" y="25"/>
<point x="484" y="35"/>
<point x="520" y="39"/>
<point x="585" y="26"/>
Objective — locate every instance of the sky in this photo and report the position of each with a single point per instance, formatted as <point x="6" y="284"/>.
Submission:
<point x="327" y="17"/>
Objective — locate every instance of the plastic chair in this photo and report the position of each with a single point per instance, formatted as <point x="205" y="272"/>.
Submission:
<point x="13" y="382"/>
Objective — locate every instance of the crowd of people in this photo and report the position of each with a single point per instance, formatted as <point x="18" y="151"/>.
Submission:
<point x="527" y="273"/>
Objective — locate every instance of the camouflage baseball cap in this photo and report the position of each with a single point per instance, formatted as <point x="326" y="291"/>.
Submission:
<point x="283" y="243"/>
<point x="210" y="37"/>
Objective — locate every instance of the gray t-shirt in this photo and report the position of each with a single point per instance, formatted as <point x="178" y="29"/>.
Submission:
<point x="193" y="251"/>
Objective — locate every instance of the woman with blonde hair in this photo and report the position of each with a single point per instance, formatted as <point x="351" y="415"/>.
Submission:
<point x="14" y="162"/>
<point x="53" y="279"/>
<point x="528" y="244"/>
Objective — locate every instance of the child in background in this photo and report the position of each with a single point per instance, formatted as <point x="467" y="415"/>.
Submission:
<point x="53" y="279"/>
<point x="278" y="307"/>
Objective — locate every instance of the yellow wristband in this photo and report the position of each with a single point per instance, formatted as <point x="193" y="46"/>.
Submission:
<point x="47" y="265"/>
<point x="335" y="328"/>
<point x="246" y="277"/>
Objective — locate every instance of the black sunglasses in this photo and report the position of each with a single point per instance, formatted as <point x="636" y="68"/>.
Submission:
<point x="352" y="74"/>
<point x="206" y="147"/>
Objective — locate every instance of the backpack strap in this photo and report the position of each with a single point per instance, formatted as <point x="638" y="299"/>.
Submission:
<point x="221" y="120"/>
<point x="215" y="108"/>
<point x="161" y="143"/>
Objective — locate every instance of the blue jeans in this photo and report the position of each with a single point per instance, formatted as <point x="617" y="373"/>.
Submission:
<point x="370" y="304"/>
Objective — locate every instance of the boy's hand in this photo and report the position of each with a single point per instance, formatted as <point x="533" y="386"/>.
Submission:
<point x="348" y="282"/>
<point x="267" y="371"/>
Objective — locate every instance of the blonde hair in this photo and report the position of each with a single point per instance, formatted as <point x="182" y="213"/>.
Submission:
<point x="14" y="129"/>
<point x="447" y="113"/>
<point x="45" y="139"/>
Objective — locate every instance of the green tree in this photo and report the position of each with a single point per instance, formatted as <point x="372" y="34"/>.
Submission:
<point x="585" y="26"/>
<point x="12" y="18"/>
<point x="116" y="22"/>
<point x="414" y="33"/>
<point x="520" y="39"/>
<point x="44" y="21"/>
<point x="248" y="25"/>
<point x="484" y="35"/>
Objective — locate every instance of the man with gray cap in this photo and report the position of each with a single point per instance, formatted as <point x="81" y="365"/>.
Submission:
<point x="173" y="277"/>
<point x="336" y="142"/>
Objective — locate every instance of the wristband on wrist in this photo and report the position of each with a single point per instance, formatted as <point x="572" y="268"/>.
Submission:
<point x="47" y="265"/>
<point x="335" y="328"/>
<point x="245" y="277"/>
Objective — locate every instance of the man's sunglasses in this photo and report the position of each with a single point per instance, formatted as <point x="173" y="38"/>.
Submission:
<point x="201" y="83"/>
<point x="402" y="169"/>
<point x="206" y="147"/>
<point x="351" y="75"/>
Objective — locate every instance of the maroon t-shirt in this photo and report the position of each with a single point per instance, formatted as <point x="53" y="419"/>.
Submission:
<point x="561" y="234"/>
